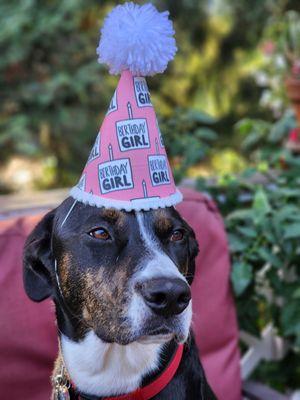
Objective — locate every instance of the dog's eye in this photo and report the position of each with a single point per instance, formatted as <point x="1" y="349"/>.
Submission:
<point x="177" y="235"/>
<point x="100" y="233"/>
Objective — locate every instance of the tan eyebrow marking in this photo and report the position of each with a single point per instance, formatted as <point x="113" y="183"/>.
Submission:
<point x="162" y="222"/>
<point x="111" y="213"/>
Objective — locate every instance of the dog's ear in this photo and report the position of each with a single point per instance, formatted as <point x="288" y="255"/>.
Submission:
<point x="193" y="252"/>
<point x="38" y="261"/>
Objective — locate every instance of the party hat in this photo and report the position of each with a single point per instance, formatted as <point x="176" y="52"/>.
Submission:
<point x="128" y="167"/>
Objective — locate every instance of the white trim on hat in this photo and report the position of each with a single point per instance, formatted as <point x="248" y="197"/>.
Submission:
<point x="137" y="204"/>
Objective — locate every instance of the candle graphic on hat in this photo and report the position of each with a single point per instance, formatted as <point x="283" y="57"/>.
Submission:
<point x="156" y="146"/>
<point x="145" y="189"/>
<point x="129" y="110"/>
<point x="110" y="151"/>
<point x="128" y="167"/>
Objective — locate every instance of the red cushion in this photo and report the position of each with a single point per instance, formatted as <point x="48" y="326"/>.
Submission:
<point x="28" y="341"/>
<point x="214" y="317"/>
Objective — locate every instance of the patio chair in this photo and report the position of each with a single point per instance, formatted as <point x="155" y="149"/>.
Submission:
<point x="28" y="339"/>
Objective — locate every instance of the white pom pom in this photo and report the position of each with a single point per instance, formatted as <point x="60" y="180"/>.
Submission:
<point x="138" y="38"/>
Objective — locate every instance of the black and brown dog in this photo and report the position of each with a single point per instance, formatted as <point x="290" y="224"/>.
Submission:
<point x="120" y="284"/>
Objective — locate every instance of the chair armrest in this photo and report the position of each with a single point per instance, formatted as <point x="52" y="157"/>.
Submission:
<point x="257" y="391"/>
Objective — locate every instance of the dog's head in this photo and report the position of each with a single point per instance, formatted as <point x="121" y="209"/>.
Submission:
<point x="123" y="275"/>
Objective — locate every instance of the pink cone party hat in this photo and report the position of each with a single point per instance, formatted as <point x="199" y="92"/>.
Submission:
<point x="128" y="167"/>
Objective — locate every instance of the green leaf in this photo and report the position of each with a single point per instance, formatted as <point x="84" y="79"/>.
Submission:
<point x="272" y="232"/>
<point x="289" y="192"/>
<point x="241" y="277"/>
<point x="236" y="244"/>
<point x="252" y="140"/>
<point x="246" y="231"/>
<point x="241" y="214"/>
<point x="206" y="134"/>
<point x="292" y="231"/>
<point x="296" y="294"/>
<point x="200" y="116"/>
<point x="287" y="212"/>
<point x="261" y="205"/>
<point x="269" y="257"/>
<point x="278" y="131"/>
<point x="290" y="317"/>
<point x="244" y="126"/>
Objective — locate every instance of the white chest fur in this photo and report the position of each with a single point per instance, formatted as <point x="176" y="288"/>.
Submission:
<point x="106" y="369"/>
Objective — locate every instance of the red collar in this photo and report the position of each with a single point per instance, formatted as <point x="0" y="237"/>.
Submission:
<point x="152" y="389"/>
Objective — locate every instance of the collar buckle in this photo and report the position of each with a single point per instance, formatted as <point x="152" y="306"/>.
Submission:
<point x="61" y="386"/>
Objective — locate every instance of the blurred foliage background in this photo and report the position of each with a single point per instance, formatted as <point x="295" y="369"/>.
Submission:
<point x="224" y="113"/>
<point x="54" y="93"/>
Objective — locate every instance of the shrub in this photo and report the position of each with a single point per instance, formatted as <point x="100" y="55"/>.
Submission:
<point x="261" y="212"/>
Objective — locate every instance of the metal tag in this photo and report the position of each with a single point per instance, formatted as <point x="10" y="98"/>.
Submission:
<point x="62" y="393"/>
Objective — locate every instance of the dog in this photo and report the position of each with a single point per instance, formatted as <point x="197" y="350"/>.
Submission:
<point x="120" y="282"/>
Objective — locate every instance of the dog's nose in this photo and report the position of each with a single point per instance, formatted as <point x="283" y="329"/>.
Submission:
<point x="165" y="296"/>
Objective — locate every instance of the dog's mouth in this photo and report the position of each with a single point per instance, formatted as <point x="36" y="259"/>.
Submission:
<point x="156" y="339"/>
<point x="162" y="338"/>
<point x="160" y="331"/>
<point x="158" y="335"/>
<point x="163" y="334"/>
